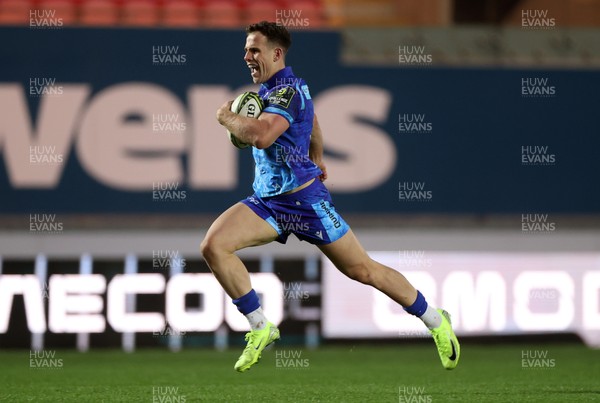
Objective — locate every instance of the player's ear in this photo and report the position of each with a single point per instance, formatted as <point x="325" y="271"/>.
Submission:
<point x="277" y="54"/>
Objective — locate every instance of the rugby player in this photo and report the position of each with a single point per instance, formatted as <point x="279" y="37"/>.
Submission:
<point x="287" y="146"/>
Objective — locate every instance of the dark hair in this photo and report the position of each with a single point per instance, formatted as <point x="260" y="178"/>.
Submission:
<point x="274" y="32"/>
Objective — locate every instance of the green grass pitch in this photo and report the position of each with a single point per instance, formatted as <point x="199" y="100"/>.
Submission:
<point x="363" y="373"/>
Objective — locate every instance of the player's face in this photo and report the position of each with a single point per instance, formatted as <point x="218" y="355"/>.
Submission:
<point x="260" y="57"/>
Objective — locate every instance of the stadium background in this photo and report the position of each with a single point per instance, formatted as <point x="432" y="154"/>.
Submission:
<point x="460" y="137"/>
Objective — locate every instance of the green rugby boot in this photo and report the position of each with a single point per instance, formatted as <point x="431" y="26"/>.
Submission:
<point x="446" y="341"/>
<point x="257" y="341"/>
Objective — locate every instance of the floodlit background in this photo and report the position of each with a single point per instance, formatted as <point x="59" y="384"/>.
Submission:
<point x="461" y="140"/>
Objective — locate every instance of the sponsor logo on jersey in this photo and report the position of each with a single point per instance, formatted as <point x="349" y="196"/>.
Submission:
<point x="282" y="97"/>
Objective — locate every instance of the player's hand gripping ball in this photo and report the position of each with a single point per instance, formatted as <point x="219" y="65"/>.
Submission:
<point x="249" y="105"/>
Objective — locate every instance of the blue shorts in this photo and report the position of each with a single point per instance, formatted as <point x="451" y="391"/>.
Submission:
<point x="308" y="213"/>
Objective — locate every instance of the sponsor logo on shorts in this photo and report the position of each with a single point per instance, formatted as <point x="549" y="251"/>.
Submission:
<point x="330" y="214"/>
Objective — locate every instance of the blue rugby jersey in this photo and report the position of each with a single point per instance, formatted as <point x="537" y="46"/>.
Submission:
<point x="285" y="165"/>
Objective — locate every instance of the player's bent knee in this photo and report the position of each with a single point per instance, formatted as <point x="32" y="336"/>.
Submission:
<point x="360" y="272"/>
<point x="205" y="248"/>
<point x="211" y="247"/>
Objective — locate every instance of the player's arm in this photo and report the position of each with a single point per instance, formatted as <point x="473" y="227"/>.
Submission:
<point x="315" y="151"/>
<point x="260" y="133"/>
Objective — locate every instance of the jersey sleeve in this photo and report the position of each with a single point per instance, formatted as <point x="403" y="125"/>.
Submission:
<point x="285" y="101"/>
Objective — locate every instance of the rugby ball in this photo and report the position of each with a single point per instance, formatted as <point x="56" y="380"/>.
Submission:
<point x="249" y="105"/>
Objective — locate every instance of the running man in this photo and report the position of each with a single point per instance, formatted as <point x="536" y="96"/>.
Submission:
<point x="289" y="171"/>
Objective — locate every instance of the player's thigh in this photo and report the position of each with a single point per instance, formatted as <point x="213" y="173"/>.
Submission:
<point x="348" y="255"/>
<point x="237" y="228"/>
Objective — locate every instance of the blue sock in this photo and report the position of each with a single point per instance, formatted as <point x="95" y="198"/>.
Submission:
<point x="418" y="307"/>
<point x="247" y="303"/>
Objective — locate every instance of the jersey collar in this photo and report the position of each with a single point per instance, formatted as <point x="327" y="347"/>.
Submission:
<point x="277" y="78"/>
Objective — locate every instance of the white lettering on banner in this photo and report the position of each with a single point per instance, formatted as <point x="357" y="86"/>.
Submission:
<point x="213" y="162"/>
<point x="486" y="293"/>
<point x="75" y="303"/>
<point x="31" y="289"/>
<point x="475" y="299"/>
<point x="528" y="281"/>
<point x="209" y="316"/>
<point x="363" y="168"/>
<point x="591" y="300"/>
<point x="124" y="284"/>
<point x="55" y="128"/>
<point x="116" y="144"/>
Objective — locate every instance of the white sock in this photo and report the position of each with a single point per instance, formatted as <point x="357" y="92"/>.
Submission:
<point x="431" y="318"/>
<point x="257" y="319"/>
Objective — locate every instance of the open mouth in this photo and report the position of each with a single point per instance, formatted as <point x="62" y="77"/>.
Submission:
<point x="253" y="70"/>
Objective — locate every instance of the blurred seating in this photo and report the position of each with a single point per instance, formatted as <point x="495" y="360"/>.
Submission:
<point x="261" y="10"/>
<point x="15" y="12"/>
<point x="176" y="13"/>
<point x="140" y="13"/>
<point x="99" y="13"/>
<point x="181" y="13"/>
<point x="311" y="10"/>
<point x="314" y="13"/>
<point x="66" y="10"/>
<point x="222" y="14"/>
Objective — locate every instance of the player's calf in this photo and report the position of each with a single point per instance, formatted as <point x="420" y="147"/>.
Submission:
<point x="361" y="272"/>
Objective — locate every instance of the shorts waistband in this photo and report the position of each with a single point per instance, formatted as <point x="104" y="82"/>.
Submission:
<point x="299" y="194"/>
